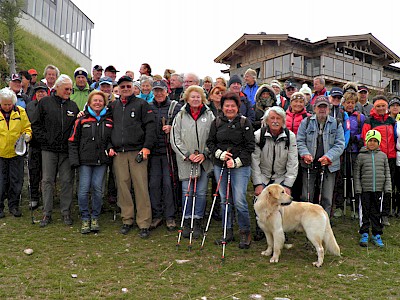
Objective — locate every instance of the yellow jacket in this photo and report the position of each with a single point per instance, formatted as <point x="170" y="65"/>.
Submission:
<point x="18" y="125"/>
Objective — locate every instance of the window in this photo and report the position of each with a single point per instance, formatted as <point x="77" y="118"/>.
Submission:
<point x="376" y="77"/>
<point x="395" y="87"/>
<point x="52" y="18"/>
<point x="317" y="66"/>
<point x="297" y="63"/>
<point x="308" y="66"/>
<point x="358" y="73"/>
<point x="278" y="66"/>
<point x="286" y="64"/>
<point x="339" y="68"/>
<point x="269" y="68"/>
<point x="367" y="77"/>
<point x="328" y="66"/>
<point x="45" y="16"/>
<point x="38" y="10"/>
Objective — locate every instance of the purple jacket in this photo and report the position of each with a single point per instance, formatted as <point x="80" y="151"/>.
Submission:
<point x="356" y="123"/>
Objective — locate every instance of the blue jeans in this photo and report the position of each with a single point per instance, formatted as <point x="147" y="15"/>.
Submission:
<point x="238" y="188"/>
<point x="91" y="177"/>
<point x="201" y="191"/>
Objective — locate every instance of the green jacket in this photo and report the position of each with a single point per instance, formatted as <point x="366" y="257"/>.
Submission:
<point x="80" y="96"/>
<point x="372" y="172"/>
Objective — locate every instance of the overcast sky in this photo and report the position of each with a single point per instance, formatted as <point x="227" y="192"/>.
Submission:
<point x="187" y="35"/>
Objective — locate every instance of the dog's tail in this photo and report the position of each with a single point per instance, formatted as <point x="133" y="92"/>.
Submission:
<point x="329" y="240"/>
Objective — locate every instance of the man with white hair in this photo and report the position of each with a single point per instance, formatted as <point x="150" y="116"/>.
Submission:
<point x="176" y="85"/>
<point x="56" y="115"/>
<point x="81" y="89"/>
<point x="251" y="87"/>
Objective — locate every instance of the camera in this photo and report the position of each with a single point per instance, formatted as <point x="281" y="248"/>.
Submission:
<point x="139" y="157"/>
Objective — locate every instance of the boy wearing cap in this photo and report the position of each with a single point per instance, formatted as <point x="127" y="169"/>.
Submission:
<point x="372" y="179"/>
<point x="81" y="89"/>
<point x="381" y="121"/>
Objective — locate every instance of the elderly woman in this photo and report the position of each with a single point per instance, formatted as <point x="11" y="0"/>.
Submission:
<point x="189" y="133"/>
<point x="207" y="85"/>
<point x="146" y="87"/>
<point x="14" y="124"/>
<point x="231" y="142"/>
<point x="89" y="145"/>
<point x="296" y="111"/>
<point x="265" y="98"/>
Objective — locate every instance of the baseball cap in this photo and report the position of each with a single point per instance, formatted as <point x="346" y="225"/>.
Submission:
<point x="98" y="68"/>
<point x="106" y="80"/>
<point x="16" y="77"/>
<point x="321" y="100"/>
<point x="336" y="91"/>
<point x="394" y="100"/>
<point x="362" y="88"/>
<point x="290" y="84"/>
<point x="111" y="69"/>
<point x="160" y="85"/>
<point x="80" y="71"/>
<point x="32" y="72"/>
<point x="40" y="86"/>
<point x="124" y="78"/>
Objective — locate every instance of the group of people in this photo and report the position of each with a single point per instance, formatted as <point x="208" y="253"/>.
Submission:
<point x="163" y="137"/>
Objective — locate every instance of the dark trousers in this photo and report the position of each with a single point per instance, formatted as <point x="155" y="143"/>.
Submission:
<point x="35" y="172"/>
<point x="11" y="180"/>
<point x="346" y="171"/>
<point x="371" y="215"/>
<point x="111" y="187"/>
<point x="160" y="188"/>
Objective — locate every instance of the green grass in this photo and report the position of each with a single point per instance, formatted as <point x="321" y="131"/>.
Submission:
<point x="33" y="52"/>
<point x="108" y="262"/>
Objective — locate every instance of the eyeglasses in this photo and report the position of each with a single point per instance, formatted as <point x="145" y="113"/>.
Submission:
<point x="128" y="86"/>
<point x="337" y="97"/>
<point x="188" y="81"/>
<point x="219" y="93"/>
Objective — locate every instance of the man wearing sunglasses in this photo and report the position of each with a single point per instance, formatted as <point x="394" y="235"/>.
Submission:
<point x="133" y="135"/>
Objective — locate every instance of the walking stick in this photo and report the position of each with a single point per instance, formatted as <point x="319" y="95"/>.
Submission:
<point x="184" y="207"/>
<point x="353" y="198"/>
<point x="212" y="206"/>
<point x="308" y="183"/>
<point x="29" y="192"/>
<point x="345" y="184"/>
<point x="321" y="185"/>
<point x="193" y="207"/>
<point x="226" y="214"/>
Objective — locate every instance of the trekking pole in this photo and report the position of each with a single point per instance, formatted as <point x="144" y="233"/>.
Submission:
<point x="381" y="207"/>
<point x="321" y="185"/>
<point x="226" y="214"/>
<point x="184" y="207"/>
<point x="353" y="198"/>
<point x="308" y="184"/>
<point x="193" y="207"/>
<point x="345" y="184"/>
<point x="29" y="192"/>
<point x="360" y="211"/>
<point x="212" y="206"/>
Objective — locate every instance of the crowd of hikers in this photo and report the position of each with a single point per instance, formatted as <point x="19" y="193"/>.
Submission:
<point x="152" y="146"/>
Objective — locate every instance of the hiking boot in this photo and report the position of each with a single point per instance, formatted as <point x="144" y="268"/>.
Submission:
<point x="385" y="221"/>
<point x="67" y="220"/>
<point x="33" y="205"/>
<point x="126" y="228"/>
<point x="186" y="228"/>
<point x="197" y="230"/>
<point x="338" y="213"/>
<point x="364" y="240"/>
<point x="171" y="225"/>
<point x="245" y="239"/>
<point x="229" y="237"/>
<point x="155" y="223"/>
<point x="85" y="227"/>
<point x="259" y="235"/>
<point x="2" y="215"/>
<point x="144" y="233"/>
<point x="94" y="225"/>
<point x="377" y="241"/>
<point x="45" y="221"/>
<point x="16" y="212"/>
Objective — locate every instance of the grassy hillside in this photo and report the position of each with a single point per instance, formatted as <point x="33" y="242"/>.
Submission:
<point x="33" y="52"/>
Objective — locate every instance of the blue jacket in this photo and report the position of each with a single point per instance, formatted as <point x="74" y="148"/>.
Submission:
<point x="250" y="92"/>
<point x="333" y="138"/>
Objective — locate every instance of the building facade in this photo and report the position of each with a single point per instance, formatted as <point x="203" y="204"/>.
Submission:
<point x="339" y="59"/>
<point x="62" y="24"/>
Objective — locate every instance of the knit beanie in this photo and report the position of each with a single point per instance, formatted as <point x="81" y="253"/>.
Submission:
<point x="373" y="134"/>
<point x="233" y="79"/>
<point x="305" y="89"/>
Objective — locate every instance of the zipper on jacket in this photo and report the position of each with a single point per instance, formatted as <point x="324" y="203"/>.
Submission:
<point x="62" y="119"/>
<point x="122" y="129"/>
<point x="373" y="172"/>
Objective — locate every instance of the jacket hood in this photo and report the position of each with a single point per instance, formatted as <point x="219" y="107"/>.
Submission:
<point x="262" y="104"/>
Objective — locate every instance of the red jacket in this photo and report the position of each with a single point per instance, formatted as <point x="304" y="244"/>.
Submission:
<point x="385" y="125"/>
<point x="293" y="120"/>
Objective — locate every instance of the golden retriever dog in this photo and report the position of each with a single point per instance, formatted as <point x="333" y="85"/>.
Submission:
<point x="277" y="214"/>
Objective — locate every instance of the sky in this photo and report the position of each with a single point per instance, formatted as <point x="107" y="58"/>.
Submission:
<point x="187" y="35"/>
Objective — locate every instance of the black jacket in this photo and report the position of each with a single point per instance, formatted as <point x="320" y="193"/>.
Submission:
<point x="90" y="140"/>
<point x="176" y="94"/>
<point x="235" y="135"/>
<point x="161" y="111"/>
<point x="56" y="118"/>
<point x="134" y="125"/>
<point x="32" y="112"/>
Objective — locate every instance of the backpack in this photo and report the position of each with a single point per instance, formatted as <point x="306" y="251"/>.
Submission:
<point x="242" y="121"/>
<point x="263" y="138"/>
<point x="171" y="110"/>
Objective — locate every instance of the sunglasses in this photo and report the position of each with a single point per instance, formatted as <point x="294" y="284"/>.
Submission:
<point x="290" y="89"/>
<point x="128" y="86"/>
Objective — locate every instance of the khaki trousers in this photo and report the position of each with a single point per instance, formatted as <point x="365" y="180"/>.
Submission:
<point x="128" y="171"/>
